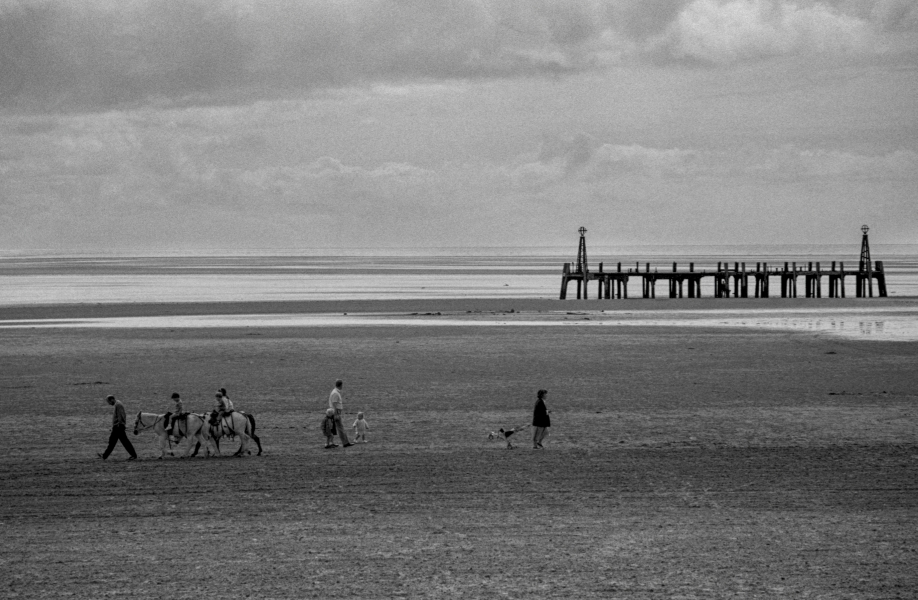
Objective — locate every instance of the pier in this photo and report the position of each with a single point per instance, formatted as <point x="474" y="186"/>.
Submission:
<point x="729" y="280"/>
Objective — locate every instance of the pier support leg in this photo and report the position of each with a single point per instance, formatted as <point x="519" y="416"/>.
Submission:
<point x="880" y="275"/>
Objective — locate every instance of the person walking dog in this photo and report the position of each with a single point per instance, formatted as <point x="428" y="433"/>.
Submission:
<point x="119" y="421"/>
<point x="540" y="420"/>
<point x="336" y="403"/>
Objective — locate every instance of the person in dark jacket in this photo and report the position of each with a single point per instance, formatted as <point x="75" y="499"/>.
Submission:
<point x="119" y="421"/>
<point x="540" y="420"/>
<point x="329" y="429"/>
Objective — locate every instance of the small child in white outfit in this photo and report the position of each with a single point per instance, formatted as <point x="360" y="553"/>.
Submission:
<point x="360" y="429"/>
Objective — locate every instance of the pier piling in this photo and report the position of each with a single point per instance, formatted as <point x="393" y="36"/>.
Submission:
<point x="614" y="284"/>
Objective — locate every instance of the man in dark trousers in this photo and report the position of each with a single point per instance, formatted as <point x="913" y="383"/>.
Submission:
<point x="119" y="421"/>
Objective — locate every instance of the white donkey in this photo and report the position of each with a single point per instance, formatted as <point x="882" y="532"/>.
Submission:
<point x="195" y="427"/>
<point x="152" y="421"/>
<point x="235" y="423"/>
<point x="191" y="425"/>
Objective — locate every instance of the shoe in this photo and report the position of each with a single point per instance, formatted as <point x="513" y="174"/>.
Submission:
<point x="132" y="458"/>
<point x="539" y="445"/>
<point x="333" y="446"/>
<point x="328" y="446"/>
<point x="346" y="445"/>
<point x="100" y="456"/>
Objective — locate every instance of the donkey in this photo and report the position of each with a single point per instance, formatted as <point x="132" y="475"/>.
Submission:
<point x="152" y="421"/>
<point x="195" y="427"/>
<point x="232" y="424"/>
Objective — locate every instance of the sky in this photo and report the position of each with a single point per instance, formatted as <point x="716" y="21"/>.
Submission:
<point x="249" y="124"/>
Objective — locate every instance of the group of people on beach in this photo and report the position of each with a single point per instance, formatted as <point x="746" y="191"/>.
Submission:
<point x="332" y="424"/>
<point x="222" y="406"/>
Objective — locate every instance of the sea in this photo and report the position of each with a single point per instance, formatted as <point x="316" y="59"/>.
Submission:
<point x="119" y="277"/>
<point x="40" y="278"/>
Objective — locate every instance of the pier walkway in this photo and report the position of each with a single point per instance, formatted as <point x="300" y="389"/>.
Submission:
<point x="736" y="282"/>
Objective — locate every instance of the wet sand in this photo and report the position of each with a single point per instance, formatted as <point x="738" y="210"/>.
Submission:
<point x="683" y="461"/>
<point x="875" y="320"/>
<point x="458" y="305"/>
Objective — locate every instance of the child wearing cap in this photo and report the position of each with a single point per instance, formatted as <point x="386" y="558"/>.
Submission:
<point x="173" y="415"/>
<point x="360" y="429"/>
<point x="328" y="428"/>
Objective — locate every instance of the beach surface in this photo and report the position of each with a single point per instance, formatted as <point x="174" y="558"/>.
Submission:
<point x="698" y="449"/>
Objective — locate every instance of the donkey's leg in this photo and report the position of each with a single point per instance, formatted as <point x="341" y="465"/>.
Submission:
<point x="243" y="445"/>
<point x="207" y="441"/>
<point x="257" y="441"/>
<point x="162" y="444"/>
<point x="191" y="440"/>
<point x="243" y="439"/>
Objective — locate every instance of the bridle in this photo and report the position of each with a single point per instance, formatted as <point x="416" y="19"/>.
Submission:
<point x="139" y="422"/>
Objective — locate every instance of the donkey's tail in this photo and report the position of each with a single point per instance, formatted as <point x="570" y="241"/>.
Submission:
<point x="252" y="433"/>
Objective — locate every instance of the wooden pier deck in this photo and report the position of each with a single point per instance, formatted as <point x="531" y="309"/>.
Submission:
<point x="736" y="282"/>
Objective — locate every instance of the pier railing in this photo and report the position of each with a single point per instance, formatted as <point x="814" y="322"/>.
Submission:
<point x="729" y="282"/>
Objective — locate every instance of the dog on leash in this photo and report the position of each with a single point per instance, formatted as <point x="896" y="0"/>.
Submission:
<point x="505" y="434"/>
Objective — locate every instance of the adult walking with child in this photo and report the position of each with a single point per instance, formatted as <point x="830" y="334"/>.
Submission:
<point x="336" y="403"/>
<point x="119" y="422"/>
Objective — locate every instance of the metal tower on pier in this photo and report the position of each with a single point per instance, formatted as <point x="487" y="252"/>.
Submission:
<point x="580" y="273"/>
<point x="581" y="252"/>
<point x="865" y="266"/>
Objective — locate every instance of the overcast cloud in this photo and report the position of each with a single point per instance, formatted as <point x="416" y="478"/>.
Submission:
<point x="160" y="124"/>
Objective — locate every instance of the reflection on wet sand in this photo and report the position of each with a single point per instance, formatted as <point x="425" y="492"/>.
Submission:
<point x="881" y="325"/>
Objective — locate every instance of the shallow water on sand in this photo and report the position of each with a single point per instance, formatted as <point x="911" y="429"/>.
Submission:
<point x="42" y="280"/>
<point x="879" y="324"/>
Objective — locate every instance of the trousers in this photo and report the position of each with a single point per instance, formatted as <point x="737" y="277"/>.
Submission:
<point x="118" y="435"/>
<point x="340" y="427"/>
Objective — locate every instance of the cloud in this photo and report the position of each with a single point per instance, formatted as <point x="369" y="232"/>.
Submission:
<point x="96" y="55"/>
<point x="190" y="178"/>
<point x="717" y="31"/>
<point x="584" y="159"/>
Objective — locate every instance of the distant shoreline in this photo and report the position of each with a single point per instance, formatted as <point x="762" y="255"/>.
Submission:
<point x="459" y="305"/>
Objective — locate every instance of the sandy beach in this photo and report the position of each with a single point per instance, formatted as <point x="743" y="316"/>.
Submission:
<point x="683" y="461"/>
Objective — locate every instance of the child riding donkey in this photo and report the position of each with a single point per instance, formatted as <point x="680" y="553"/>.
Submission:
<point x="222" y="407"/>
<point x="176" y="415"/>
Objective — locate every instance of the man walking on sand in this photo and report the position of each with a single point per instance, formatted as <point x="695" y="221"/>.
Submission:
<point x="336" y="403"/>
<point x="119" y="421"/>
